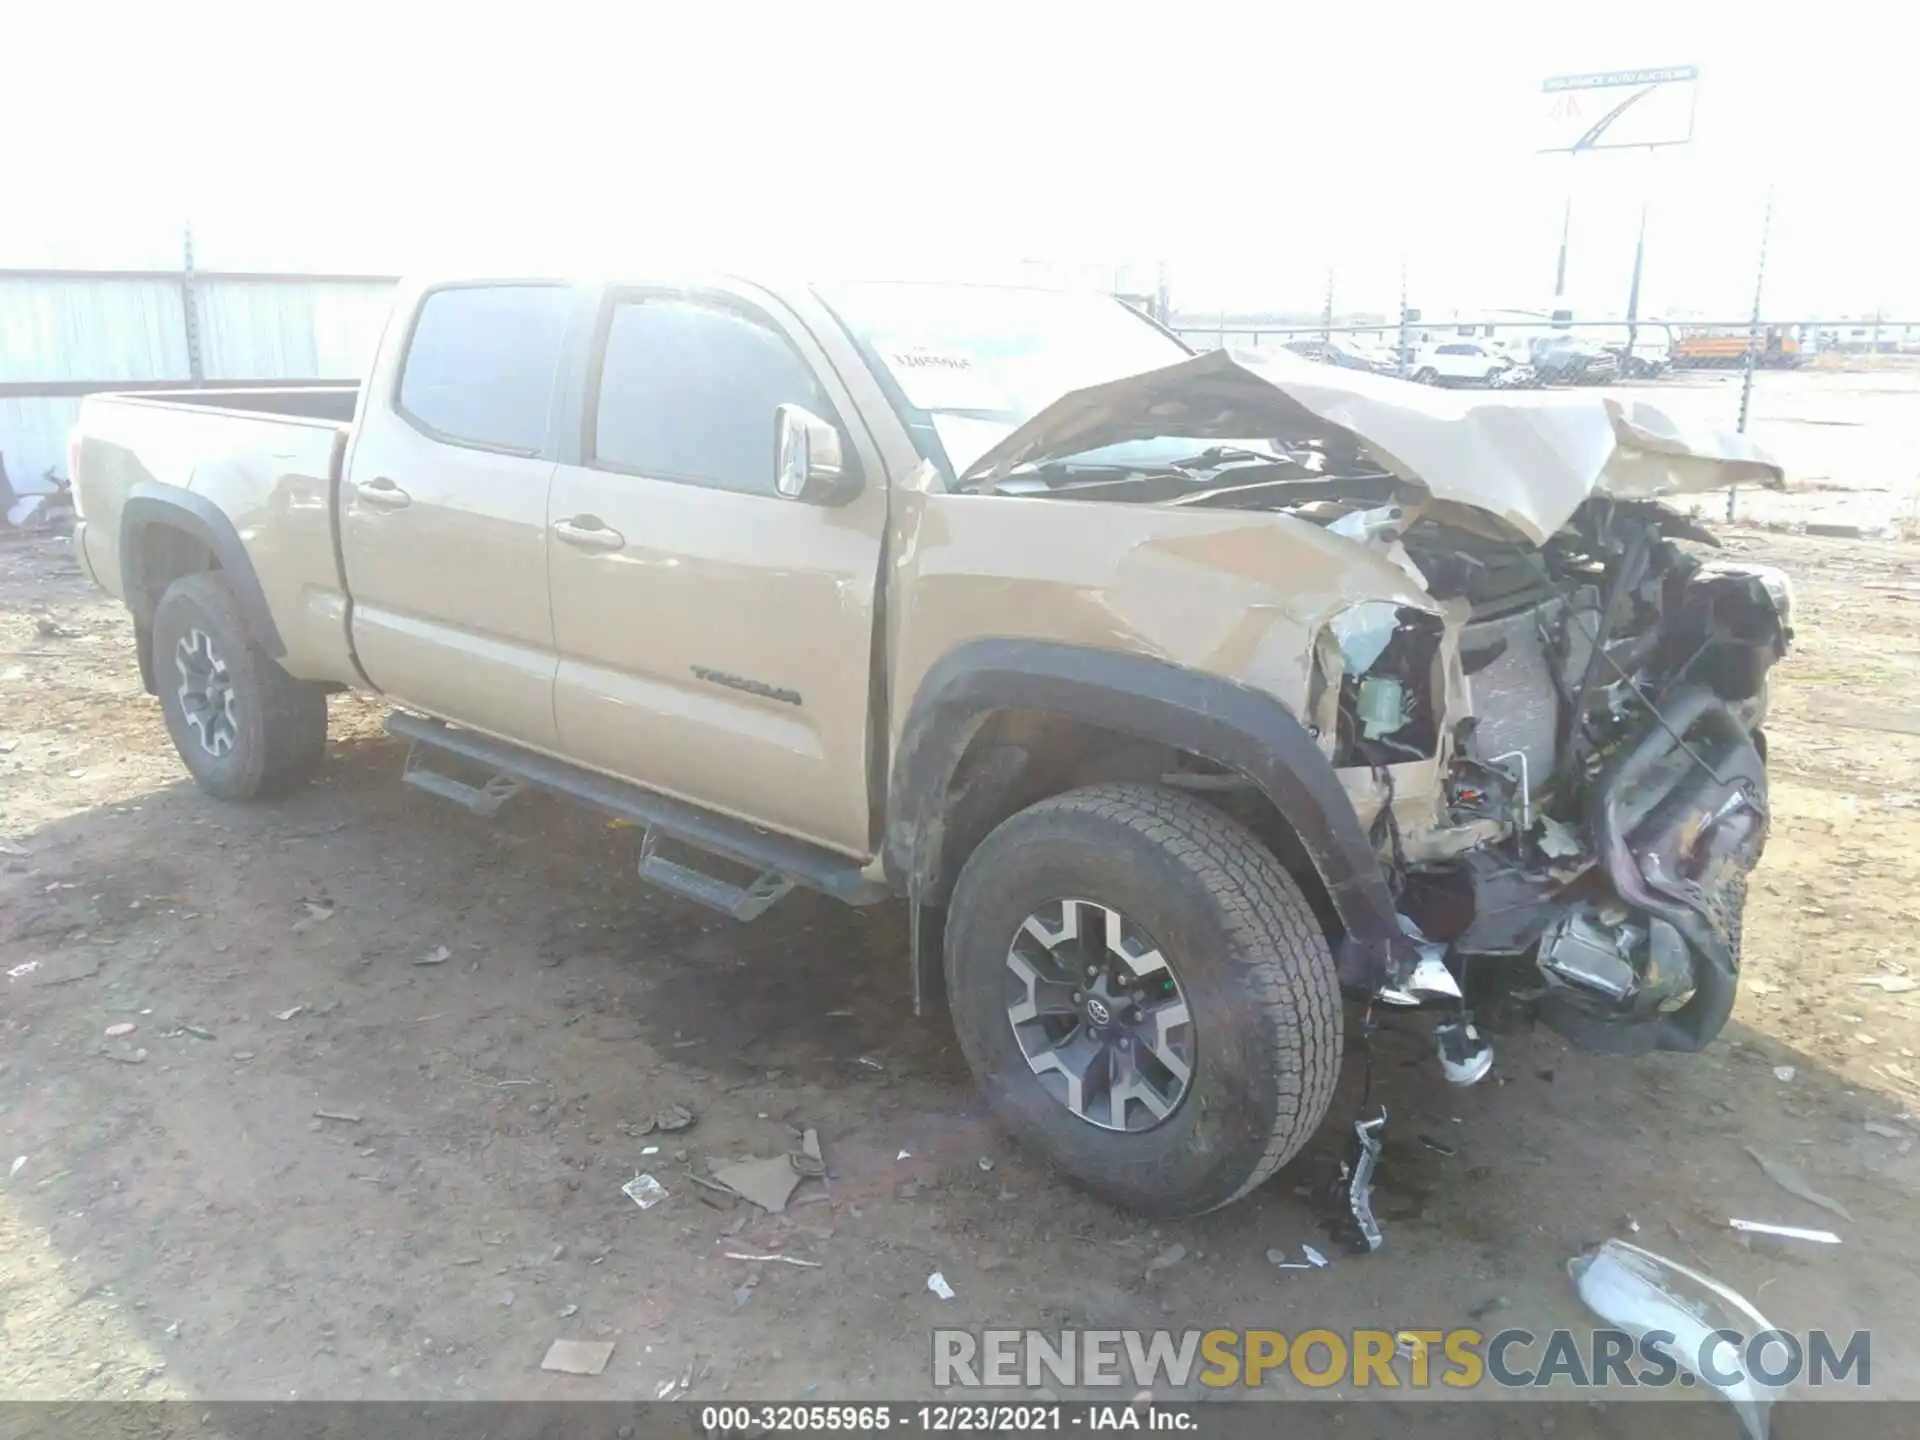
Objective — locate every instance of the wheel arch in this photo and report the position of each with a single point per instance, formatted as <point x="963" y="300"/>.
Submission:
<point x="966" y="760"/>
<point x="167" y="532"/>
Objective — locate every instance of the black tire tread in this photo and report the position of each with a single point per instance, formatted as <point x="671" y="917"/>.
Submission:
<point x="293" y="713"/>
<point x="1278" y="945"/>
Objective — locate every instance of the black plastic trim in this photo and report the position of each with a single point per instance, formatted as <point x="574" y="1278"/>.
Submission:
<point x="150" y="502"/>
<point x="1233" y="725"/>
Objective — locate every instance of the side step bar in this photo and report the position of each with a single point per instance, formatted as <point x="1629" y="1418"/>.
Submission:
<point x="781" y="860"/>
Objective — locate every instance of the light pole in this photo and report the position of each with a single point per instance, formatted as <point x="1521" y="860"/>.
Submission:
<point x="1753" y="334"/>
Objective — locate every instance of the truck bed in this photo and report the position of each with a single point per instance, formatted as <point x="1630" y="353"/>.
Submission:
<point x="265" y="460"/>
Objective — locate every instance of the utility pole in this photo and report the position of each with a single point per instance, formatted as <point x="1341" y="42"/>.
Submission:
<point x="1402" y="352"/>
<point x="1639" y="263"/>
<point x="1753" y="334"/>
<point x="1326" y="314"/>
<point x="1566" y="231"/>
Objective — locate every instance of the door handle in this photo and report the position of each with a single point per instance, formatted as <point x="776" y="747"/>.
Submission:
<point x="588" y="532"/>
<point x="383" y="494"/>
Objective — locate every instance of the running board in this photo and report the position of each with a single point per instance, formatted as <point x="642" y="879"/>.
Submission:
<point x="780" y="860"/>
<point x="482" y="800"/>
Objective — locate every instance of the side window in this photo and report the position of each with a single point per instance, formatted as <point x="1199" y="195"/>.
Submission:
<point x="480" y="367"/>
<point x="1453" y="350"/>
<point x="688" y="390"/>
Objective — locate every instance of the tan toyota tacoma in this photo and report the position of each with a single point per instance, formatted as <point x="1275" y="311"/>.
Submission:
<point x="1175" y="694"/>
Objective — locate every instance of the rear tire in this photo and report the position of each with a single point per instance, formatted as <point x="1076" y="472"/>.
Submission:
<point x="244" y="728"/>
<point x="1426" y="375"/>
<point x="1249" y="965"/>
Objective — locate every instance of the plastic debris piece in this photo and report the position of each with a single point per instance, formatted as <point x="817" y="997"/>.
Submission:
<point x="767" y="1183"/>
<point x="1892" y="984"/>
<point x="783" y="1259"/>
<point x="1884" y="1131"/>
<point x="649" y="1149"/>
<point x="674" y="1389"/>
<point x="937" y="1283"/>
<point x="1784" y="1073"/>
<point x="904" y="1155"/>
<point x="439" y="955"/>
<point x="19" y="1164"/>
<point x="578" y="1357"/>
<point x="1557" y="840"/>
<point x="644" y="1191"/>
<point x="985" y="1162"/>
<point x="318" y="912"/>
<point x="1314" y="1257"/>
<point x="1791" y="1181"/>
<point x="121" y="1031"/>
<point x="1642" y="1292"/>
<point x="1359" y="1227"/>
<point x="1787" y="1232"/>
<point x="673" y="1118"/>
<point x="290" y="1012"/>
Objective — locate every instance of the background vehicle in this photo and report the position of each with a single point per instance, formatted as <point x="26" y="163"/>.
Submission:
<point x="1777" y="347"/>
<point x="1459" y="362"/>
<point x="979" y="598"/>
<point x="1569" y="360"/>
<point x="1345" y="352"/>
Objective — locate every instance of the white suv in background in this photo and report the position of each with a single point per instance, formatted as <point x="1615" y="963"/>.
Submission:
<point x="1460" y="362"/>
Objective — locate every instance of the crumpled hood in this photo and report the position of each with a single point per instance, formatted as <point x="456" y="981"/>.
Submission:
<point x="1528" y="459"/>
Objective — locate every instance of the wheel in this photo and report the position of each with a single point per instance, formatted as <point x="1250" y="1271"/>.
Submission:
<point x="244" y="727"/>
<point x="1426" y="375"/>
<point x="1144" y="996"/>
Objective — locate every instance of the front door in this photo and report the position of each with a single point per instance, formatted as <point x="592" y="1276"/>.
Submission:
<point x="715" y="640"/>
<point x="444" y="512"/>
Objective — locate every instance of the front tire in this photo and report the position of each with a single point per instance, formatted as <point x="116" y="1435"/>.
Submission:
<point x="1426" y="375"/>
<point x="1130" y="900"/>
<point x="244" y="728"/>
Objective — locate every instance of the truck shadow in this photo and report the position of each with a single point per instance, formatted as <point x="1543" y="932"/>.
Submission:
<point x="393" y="1064"/>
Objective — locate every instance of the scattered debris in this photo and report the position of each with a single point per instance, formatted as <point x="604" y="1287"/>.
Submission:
<point x="342" y="1116"/>
<point x="1762" y="987"/>
<point x="767" y="1183"/>
<point x="1436" y="1146"/>
<point x="318" y="912"/>
<point x="7" y="847"/>
<point x="1358" y="1226"/>
<point x="644" y="1191"/>
<point x="904" y="1155"/>
<point x="1884" y="1131"/>
<point x="869" y="1062"/>
<point x="783" y="1259"/>
<point x="199" y="1032"/>
<point x="1789" y="1232"/>
<point x="290" y="1012"/>
<point x="578" y="1357"/>
<point x="1488" y="1307"/>
<point x="1644" y="1293"/>
<point x="675" y="1389"/>
<point x="1166" y="1259"/>
<point x="19" y="1164"/>
<point x="1791" y="1181"/>
<point x="126" y="1057"/>
<point x="1558" y="841"/>
<point x="1314" y="1257"/>
<point x="986" y="1162"/>
<point x="937" y="1283"/>
<point x="51" y="629"/>
<point x="439" y="955"/>
<point x="23" y="969"/>
<point x="1892" y="984"/>
<point x="674" y="1118"/>
<point x="1784" y="1073"/>
<point x="121" y="1030"/>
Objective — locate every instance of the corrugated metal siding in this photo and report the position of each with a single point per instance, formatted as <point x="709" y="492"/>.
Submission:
<point x="289" y="330"/>
<point x="33" y="437"/>
<point x="91" y="330"/>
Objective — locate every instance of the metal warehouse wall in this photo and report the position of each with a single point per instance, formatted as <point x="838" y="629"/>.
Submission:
<point x="67" y="334"/>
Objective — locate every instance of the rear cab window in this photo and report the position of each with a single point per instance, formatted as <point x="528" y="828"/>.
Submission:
<point x="687" y="391"/>
<point x="480" y="365"/>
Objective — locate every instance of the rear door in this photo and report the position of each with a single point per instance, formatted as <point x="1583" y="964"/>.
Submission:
<point x="715" y="640"/>
<point x="443" y="513"/>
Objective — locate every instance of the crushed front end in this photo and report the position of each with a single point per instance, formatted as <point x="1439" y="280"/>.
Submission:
<point x="1565" y="774"/>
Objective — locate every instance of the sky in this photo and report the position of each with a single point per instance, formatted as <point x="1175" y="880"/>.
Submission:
<point x="1249" y="147"/>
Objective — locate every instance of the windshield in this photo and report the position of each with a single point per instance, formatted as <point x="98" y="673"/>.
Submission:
<point x="980" y="360"/>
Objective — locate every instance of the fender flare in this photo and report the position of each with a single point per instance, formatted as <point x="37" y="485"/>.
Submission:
<point x="1234" y="725"/>
<point x="150" y="502"/>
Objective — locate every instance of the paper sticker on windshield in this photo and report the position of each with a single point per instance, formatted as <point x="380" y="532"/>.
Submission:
<point x="945" y="380"/>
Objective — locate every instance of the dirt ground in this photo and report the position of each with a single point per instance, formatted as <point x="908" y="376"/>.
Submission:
<point x="491" y="1013"/>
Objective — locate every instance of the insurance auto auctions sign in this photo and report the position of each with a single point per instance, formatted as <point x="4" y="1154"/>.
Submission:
<point x="1619" y="109"/>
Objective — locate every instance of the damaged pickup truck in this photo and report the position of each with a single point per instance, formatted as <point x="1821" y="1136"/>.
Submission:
<point x="1175" y="695"/>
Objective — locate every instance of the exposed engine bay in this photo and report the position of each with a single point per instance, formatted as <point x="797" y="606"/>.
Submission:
<point x="1558" y="754"/>
<point x="1569" y="773"/>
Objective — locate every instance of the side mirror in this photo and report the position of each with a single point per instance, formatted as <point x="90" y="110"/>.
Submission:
<point x="811" y="464"/>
